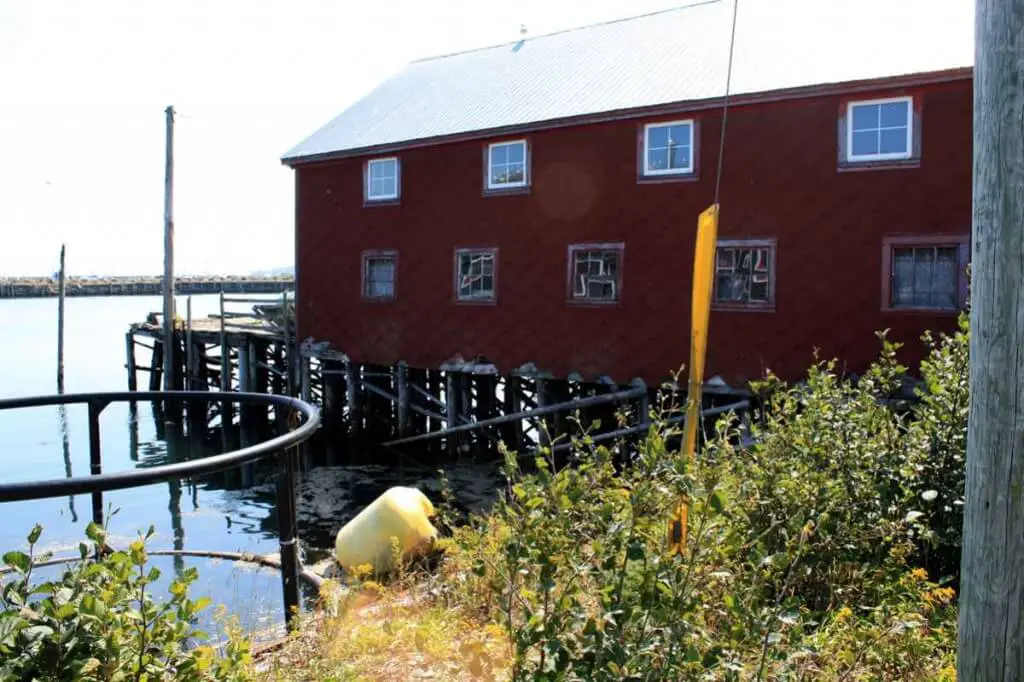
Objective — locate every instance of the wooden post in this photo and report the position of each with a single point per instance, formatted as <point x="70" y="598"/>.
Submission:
<point x="452" y="396"/>
<point x="189" y="351"/>
<point x="643" y="406"/>
<point x="286" y="350"/>
<point x="169" y="254"/>
<point x="129" y="350"/>
<point x="155" y="368"/>
<point x="352" y="397"/>
<point x="513" y="400"/>
<point x="544" y="425"/>
<point x="991" y="645"/>
<point x="61" y="292"/>
<point x="402" y="391"/>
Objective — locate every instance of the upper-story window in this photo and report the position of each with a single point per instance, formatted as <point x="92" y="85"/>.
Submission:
<point x="880" y="130"/>
<point x="382" y="179"/>
<point x="507" y="165"/>
<point x="380" y="272"/>
<point x="595" y="273"/>
<point x="475" y="276"/>
<point x="668" y="148"/>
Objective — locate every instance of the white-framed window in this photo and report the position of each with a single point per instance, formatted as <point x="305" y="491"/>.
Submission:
<point x="476" y="274"/>
<point x="507" y="165"/>
<point x="595" y="273"/>
<point x="880" y="129"/>
<point x="380" y="270"/>
<point x="382" y="179"/>
<point x="668" y="148"/>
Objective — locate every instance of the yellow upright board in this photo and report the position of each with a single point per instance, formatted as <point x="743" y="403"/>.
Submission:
<point x="700" y="307"/>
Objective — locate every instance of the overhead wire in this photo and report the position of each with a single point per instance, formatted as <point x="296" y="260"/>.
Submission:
<point x="725" y="103"/>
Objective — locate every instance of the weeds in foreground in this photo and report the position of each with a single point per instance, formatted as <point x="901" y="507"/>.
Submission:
<point x="801" y="557"/>
<point x="99" y="621"/>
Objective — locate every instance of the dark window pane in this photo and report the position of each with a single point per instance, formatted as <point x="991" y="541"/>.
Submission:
<point x="657" y="159"/>
<point x="726" y="259"/>
<point x="680" y="157"/>
<point x="759" y="290"/>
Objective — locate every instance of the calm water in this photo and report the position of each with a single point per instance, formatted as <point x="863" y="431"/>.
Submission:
<point x="227" y="512"/>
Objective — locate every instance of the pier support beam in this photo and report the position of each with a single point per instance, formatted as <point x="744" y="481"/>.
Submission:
<point x="402" y="386"/>
<point x="129" y="346"/>
<point x="512" y="433"/>
<point x="452" y="397"/>
<point x="352" y="384"/>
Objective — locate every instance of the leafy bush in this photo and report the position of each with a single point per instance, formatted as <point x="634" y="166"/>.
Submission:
<point x="940" y="432"/>
<point x="802" y="557"/>
<point x="99" y="621"/>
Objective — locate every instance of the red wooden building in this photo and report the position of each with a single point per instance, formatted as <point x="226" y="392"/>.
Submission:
<point x="537" y="202"/>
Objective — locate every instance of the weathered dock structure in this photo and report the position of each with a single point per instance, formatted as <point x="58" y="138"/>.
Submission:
<point x="35" y="287"/>
<point x="457" y="408"/>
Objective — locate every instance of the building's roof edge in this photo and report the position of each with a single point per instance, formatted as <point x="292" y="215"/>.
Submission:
<point x="764" y="97"/>
<point x="573" y="29"/>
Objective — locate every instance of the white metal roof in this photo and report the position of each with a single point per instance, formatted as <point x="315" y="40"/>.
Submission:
<point x="679" y="55"/>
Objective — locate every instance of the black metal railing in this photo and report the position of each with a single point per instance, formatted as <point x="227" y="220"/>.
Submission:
<point x="281" y="448"/>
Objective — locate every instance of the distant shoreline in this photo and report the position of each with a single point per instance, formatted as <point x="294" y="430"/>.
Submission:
<point x="37" y="287"/>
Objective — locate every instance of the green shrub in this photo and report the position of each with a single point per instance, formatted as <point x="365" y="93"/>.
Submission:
<point x="801" y="557"/>
<point x="98" y="621"/>
<point x="940" y="431"/>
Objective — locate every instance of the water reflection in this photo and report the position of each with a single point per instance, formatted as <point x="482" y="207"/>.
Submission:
<point x="65" y="438"/>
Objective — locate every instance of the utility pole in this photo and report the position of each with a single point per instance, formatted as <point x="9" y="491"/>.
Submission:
<point x="169" y="254"/>
<point x="991" y="643"/>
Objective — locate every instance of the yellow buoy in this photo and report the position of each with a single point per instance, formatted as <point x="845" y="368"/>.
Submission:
<point x="400" y="512"/>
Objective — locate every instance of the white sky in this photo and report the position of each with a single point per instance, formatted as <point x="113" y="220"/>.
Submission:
<point x="83" y="87"/>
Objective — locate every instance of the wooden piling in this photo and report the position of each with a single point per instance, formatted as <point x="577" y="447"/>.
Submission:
<point x="401" y="381"/>
<point x="352" y="383"/>
<point x="512" y="433"/>
<point x="62" y="291"/>
<point x="544" y="425"/>
<point x="417" y="392"/>
<point x="129" y="349"/>
<point x="452" y="396"/>
<point x="189" y="367"/>
<point x="485" y="408"/>
<point x="156" y="365"/>
<point x="333" y="416"/>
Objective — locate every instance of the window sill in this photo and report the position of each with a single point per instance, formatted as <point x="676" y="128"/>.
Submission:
<point x="476" y="301"/>
<point x="378" y="300"/>
<point x="369" y="203"/>
<point x="593" y="303"/>
<point x="743" y="307"/>
<point x="942" y="312"/>
<point x="692" y="176"/>
<point x="499" y="191"/>
<point x="891" y="164"/>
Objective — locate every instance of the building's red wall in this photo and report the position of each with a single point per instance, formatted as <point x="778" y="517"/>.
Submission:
<point x="780" y="180"/>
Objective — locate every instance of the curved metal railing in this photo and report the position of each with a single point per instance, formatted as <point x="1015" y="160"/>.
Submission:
<point x="281" y="448"/>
